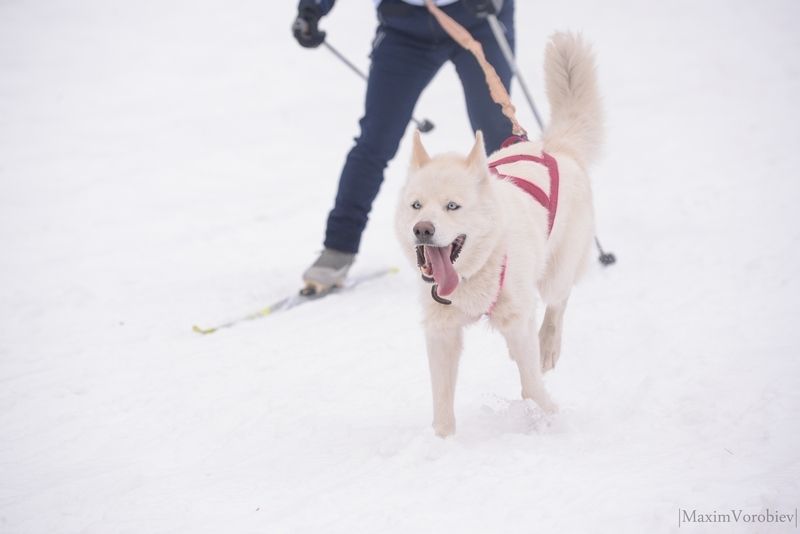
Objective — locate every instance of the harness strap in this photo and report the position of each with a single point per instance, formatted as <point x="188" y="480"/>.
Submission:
<point x="550" y="203"/>
<point x="513" y="140"/>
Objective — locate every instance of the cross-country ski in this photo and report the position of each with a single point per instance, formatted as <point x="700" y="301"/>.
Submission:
<point x="297" y="299"/>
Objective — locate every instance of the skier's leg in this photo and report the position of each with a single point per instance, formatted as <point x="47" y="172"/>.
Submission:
<point x="400" y="70"/>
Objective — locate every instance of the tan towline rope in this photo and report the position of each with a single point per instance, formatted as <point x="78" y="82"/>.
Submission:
<point x="496" y="88"/>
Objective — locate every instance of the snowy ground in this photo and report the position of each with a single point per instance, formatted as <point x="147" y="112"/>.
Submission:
<point x="164" y="163"/>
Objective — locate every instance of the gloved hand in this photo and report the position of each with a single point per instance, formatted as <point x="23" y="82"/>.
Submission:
<point x="482" y="8"/>
<point x="305" y="28"/>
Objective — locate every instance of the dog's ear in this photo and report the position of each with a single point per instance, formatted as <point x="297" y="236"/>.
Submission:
<point x="476" y="159"/>
<point x="419" y="156"/>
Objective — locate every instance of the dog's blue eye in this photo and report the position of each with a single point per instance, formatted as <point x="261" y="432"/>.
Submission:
<point x="452" y="206"/>
<point x="416" y="205"/>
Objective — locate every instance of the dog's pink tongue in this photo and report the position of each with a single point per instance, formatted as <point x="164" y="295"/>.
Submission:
<point x="443" y="272"/>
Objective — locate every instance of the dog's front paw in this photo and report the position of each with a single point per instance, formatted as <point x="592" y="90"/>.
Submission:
<point x="548" y="406"/>
<point x="542" y="399"/>
<point x="549" y="359"/>
<point x="550" y="350"/>
<point x="444" y="429"/>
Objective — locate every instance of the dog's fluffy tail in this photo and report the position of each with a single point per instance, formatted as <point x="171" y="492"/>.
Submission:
<point x="576" y="116"/>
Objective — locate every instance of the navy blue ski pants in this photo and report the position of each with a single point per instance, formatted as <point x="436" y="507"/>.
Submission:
<point x="408" y="50"/>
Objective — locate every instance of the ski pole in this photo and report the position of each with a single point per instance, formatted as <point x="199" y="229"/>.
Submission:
<point x="500" y="36"/>
<point x="423" y="126"/>
<point x="606" y="258"/>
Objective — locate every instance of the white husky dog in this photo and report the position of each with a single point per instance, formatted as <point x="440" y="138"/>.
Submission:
<point x="489" y="233"/>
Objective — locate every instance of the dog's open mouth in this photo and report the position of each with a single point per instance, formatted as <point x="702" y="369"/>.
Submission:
<point x="436" y="264"/>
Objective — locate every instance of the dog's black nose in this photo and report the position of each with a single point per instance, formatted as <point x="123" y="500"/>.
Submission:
<point x="424" y="231"/>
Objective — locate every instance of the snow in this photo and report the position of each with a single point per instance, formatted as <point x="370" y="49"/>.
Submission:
<point x="170" y="163"/>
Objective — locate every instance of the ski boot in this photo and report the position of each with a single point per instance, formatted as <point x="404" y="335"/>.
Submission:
<point x="327" y="273"/>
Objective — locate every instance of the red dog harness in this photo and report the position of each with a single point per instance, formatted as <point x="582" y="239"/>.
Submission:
<point x="550" y="203"/>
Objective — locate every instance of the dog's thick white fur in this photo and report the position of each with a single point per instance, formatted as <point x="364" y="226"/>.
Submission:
<point x="451" y="201"/>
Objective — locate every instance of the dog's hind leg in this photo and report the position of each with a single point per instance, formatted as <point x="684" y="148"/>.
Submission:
<point x="444" y="351"/>
<point x="524" y="350"/>
<point x="550" y="334"/>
